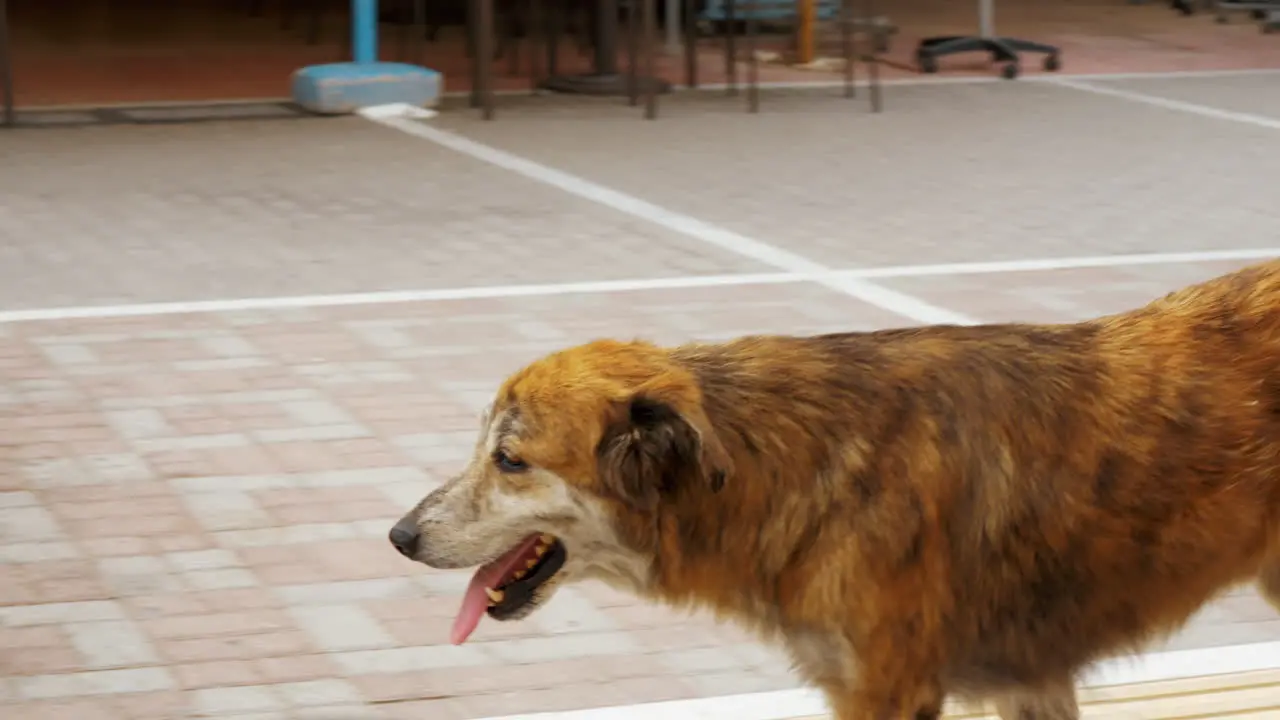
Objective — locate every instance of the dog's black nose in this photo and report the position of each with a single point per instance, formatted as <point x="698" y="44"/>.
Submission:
<point x="404" y="537"/>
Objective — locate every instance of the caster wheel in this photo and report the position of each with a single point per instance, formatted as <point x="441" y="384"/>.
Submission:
<point x="928" y="63"/>
<point x="1009" y="71"/>
<point x="1052" y="63"/>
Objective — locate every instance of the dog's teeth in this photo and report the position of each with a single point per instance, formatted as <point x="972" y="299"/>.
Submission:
<point x="547" y="539"/>
<point x="495" y="596"/>
<point x="519" y="574"/>
<point x="530" y="563"/>
<point x="540" y="550"/>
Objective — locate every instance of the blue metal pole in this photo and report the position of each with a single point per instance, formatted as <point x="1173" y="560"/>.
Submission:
<point x="364" y="30"/>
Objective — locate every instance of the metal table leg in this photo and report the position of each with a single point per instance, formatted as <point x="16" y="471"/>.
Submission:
<point x="6" y="67"/>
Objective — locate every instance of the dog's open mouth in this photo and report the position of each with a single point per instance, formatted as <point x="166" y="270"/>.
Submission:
<point x="507" y="586"/>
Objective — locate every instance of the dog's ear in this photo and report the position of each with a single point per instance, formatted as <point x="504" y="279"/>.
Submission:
<point x="650" y="442"/>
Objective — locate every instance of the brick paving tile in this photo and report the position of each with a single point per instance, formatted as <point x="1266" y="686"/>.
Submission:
<point x="163" y="705"/>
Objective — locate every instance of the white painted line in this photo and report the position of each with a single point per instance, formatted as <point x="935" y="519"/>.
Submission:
<point x="612" y="286"/>
<point x="725" y="239"/>
<point x="799" y="703"/>
<point x="1064" y="263"/>
<point x="394" y="296"/>
<point x="1159" y="75"/>
<point x="1162" y="74"/>
<point x="401" y="110"/>
<point x="1208" y="111"/>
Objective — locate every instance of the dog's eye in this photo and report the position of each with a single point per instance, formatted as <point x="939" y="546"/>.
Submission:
<point x="508" y="464"/>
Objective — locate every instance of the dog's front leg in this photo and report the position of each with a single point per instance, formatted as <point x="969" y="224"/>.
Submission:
<point x="863" y="702"/>
<point x="1052" y="702"/>
<point x="886" y="682"/>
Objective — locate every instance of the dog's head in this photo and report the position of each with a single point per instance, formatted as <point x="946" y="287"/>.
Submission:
<point x="576" y="459"/>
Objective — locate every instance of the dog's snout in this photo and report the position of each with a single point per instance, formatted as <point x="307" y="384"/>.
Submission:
<point x="404" y="537"/>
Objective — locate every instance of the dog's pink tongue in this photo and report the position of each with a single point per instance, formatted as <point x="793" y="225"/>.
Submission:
<point x="476" y="601"/>
<point x="474" y="604"/>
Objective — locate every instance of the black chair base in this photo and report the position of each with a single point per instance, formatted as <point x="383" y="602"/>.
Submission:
<point x="619" y="84"/>
<point x="1003" y="50"/>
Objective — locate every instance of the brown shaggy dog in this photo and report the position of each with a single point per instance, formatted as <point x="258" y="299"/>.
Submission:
<point x="970" y="511"/>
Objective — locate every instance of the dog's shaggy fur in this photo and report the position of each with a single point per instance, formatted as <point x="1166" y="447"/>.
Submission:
<point x="976" y="512"/>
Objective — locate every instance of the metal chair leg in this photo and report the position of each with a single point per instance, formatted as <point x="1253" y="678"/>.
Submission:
<point x="420" y="28"/>
<point x="472" y="35"/>
<point x="536" y="25"/>
<point x="873" y="60"/>
<point x="690" y="43"/>
<point x="847" y="47"/>
<point x="6" y="68"/>
<point x="753" y="57"/>
<point x="634" y="28"/>
<point x="555" y="28"/>
<point x="584" y="37"/>
<point x="315" y="17"/>
<point x="730" y="47"/>
<point x="509" y="40"/>
<point x="650" y="51"/>
<point x="484" y="56"/>
<point x="347" y="51"/>
<point x="403" y="30"/>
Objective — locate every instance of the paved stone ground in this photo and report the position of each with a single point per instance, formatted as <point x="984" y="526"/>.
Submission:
<point x="245" y="209"/>
<point x="193" y="507"/>
<point x="957" y="172"/>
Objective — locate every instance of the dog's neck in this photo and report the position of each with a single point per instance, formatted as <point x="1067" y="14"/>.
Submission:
<point x="747" y="550"/>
